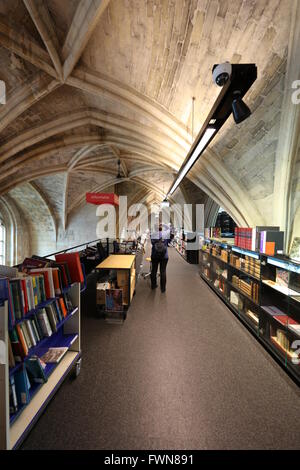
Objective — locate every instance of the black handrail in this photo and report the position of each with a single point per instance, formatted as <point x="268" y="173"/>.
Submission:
<point x="77" y="246"/>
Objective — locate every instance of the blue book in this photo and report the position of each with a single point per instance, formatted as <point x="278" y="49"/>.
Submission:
<point x="22" y="388"/>
<point x="56" y="305"/>
<point x="35" y="370"/>
<point x="6" y="295"/>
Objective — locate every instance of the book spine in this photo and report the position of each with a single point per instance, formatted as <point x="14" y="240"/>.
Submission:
<point x="29" y="294"/>
<point x="48" y="326"/>
<point x="24" y="297"/>
<point x="38" y="328"/>
<point x="22" y="340"/>
<point x="36" y="334"/>
<point x="25" y="332"/>
<point x="30" y="332"/>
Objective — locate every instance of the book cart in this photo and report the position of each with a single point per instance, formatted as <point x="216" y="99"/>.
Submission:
<point x="264" y="293"/>
<point x="14" y="427"/>
<point x="118" y="273"/>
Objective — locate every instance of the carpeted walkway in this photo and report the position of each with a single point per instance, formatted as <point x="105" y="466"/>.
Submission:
<point x="182" y="372"/>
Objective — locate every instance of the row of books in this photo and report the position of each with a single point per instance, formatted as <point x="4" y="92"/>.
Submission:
<point x="282" y="318"/>
<point x="28" y="333"/>
<point x="35" y="281"/>
<point x="212" y="232"/>
<point x="268" y="240"/>
<point x="31" y="373"/>
<point x="220" y="253"/>
<point x="247" y="286"/>
<point x="249" y="264"/>
<point x="22" y="380"/>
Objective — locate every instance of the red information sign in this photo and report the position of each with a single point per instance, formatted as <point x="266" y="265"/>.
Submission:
<point x="102" y="198"/>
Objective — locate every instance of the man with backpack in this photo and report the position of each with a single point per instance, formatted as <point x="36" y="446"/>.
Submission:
<point x="159" y="256"/>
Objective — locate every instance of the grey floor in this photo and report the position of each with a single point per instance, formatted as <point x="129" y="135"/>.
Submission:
<point x="181" y="373"/>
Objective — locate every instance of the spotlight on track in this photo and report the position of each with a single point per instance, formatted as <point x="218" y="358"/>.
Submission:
<point x="240" y="110"/>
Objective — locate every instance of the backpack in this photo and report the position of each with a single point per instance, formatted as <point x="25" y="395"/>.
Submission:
<point x="160" y="249"/>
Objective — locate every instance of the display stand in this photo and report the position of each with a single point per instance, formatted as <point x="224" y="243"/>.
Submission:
<point x="15" y="427"/>
<point x="123" y="266"/>
<point x="263" y="292"/>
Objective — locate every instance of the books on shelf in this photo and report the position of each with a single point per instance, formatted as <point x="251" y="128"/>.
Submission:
<point x="268" y="240"/>
<point x="212" y="232"/>
<point x="295" y="249"/>
<point x="31" y="289"/>
<point x="74" y="265"/>
<point x="35" y="370"/>
<point x="13" y="402"/>
<point x="247" y="286"/>
<point x="29" y="332"/>
<point x="271" y="242"/>
<point x="252" y="315"/>
<point x="282" y="277"/>
<point x="22" y="385"/>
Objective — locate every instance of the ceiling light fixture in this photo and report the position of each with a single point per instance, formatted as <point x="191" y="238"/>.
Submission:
<point x="235" y="80"/>
<point x="207" y="136"/>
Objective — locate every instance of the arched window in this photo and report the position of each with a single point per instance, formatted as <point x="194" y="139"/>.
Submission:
<point x="2" y="242"/>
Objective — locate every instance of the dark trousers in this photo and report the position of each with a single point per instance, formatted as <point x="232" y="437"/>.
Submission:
<point x="162" y="269"/>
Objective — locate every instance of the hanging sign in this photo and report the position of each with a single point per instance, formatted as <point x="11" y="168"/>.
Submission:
<point x="102" y="198"/>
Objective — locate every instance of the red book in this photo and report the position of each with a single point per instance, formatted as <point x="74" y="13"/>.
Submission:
<point x="22" y="341"/>
<point x="24" y="290"/>
<point x="63" y="306"/>
<point x="284" y="320"/>
<point x="73" y="261"/>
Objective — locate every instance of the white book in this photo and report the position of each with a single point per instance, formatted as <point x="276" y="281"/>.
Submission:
<point x="45" y="325"/>
<point x="30" y="294"/>
<point x="51" y="317"/>
<point x="37" y="336"/>
<point x="26" y="335"/>
<point x="295" y="328"/>
<point x="30" y="332"/>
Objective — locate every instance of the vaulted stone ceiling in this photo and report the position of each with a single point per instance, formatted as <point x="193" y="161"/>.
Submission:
<point x="93" y="81"/>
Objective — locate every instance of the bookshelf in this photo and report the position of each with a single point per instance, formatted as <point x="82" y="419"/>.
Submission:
<point x="262" y="291"/>
<point x="14" y="426"/>
<point x="181" y="243"/>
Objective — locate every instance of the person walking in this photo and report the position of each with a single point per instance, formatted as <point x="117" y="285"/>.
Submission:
<point x="159" y="256"/>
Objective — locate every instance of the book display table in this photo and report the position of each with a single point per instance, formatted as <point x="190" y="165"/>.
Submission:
<point x="116" y="286"/>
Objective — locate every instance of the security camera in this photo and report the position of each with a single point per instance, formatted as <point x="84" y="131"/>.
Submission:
<point x="221" y="73"/>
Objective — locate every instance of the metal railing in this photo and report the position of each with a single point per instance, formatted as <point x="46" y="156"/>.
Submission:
<point x="86" y="245"/>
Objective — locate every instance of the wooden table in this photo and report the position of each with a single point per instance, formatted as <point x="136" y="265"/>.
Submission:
<point x="126" y="275"/>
